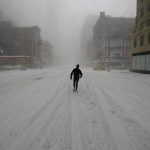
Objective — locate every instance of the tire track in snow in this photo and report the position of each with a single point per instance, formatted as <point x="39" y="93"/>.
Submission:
<point x="130" y="82"/>
<point x="18" y="100"/>
<point x="94" y="128"/>
<point x="138" y="135"/>
<point x="59" y="135"/>
<point x="135" y="106"/>
<point x="15" y="133"/>
<point x="26" y="85"/>
<point x="125" y="91"/>
<point x="40" y="127"/>
<point x="119" y="133"/>
<point x="75" y="131"/>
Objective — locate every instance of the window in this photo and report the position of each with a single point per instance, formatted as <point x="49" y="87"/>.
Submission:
<point x="141" y="3"/>
<point x="141" y="27"/>
<point x="142" y="12"/>
<point x="143" y="61"/>
<point x="148" y="7"/>
<point x="142" y="40"/>
<point x="149" y="38"/>
<point x="148" y="62"/>
<point x="117" y="54"/>
<point x="135" y="43"/>
<point x="134" y="62"/>
<point x="148" y="23"/>
<point x="138" y="62"/>
<point x="136" y="20"/>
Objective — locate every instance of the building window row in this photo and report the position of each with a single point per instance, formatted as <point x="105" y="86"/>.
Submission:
<point x="142" y="40"/>
<point x="120" y="43"/>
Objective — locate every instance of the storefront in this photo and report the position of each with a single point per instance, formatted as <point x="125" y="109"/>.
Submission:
<point x="141" y="62"/>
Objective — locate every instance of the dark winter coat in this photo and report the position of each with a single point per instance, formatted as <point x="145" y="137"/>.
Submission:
<point x="76" y="73"/>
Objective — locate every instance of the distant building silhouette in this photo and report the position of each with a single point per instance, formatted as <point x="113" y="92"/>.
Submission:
<point x="23" y="45"/>
<point x="112" y="40"/>
<point x="19" y="41"/>
<point x="86" y="37"/>
<point x="46" y="54"/>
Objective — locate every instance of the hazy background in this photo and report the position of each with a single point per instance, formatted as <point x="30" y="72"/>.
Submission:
<point x="61" y="21"/>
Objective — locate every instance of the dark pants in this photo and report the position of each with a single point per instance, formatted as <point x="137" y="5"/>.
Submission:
<point x="75" y="83"/>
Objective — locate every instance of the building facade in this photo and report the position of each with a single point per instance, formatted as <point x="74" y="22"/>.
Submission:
<point x="116" y="51"/>
<point x="19" y="45"/>
<point x="112" y="40"/>
<point x="140" y="61"/>
<point x="46" y="54"/>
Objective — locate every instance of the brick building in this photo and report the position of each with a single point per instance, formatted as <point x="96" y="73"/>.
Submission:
<point x="19" y="41"/>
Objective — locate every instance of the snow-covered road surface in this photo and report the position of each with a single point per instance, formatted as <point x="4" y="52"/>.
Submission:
<point x="39" y="110"/>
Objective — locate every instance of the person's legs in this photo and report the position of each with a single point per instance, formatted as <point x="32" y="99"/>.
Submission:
<point x="74" y="83"/>
<point x="77" y="80"/>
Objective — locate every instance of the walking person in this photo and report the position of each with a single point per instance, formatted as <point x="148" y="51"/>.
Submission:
<point x="77" y="74"/>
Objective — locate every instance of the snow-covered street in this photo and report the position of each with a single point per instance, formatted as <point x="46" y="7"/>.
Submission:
<point x="39" y="110"/>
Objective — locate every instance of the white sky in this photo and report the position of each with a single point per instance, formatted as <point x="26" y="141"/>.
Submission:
<point x="61" y="20"/>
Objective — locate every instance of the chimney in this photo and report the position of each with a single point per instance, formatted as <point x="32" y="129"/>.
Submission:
<point x="102" y="14"/>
